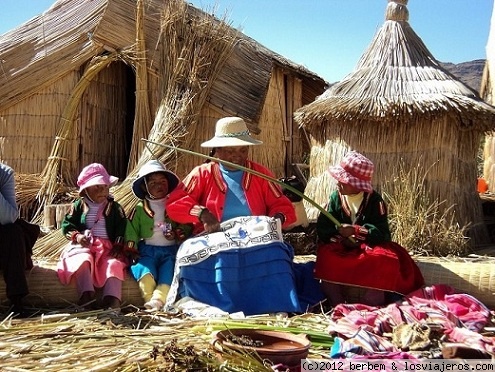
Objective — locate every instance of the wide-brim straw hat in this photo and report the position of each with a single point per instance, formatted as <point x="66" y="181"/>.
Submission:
<point x="355" y="170"/>
<point x="95" y="174"/>
<point x="153" y="166"/>
<point x="231" y="131"/>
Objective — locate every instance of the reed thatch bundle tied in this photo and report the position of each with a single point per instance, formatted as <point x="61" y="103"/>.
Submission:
<point x="192" y="51"/>
<point x="397" y="11"/>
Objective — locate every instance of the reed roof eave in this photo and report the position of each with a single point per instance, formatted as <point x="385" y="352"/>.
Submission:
<point x="242" y="84"/>
<point x="46" y="47"/>
<point x="397" y="80"/>
<point x="467" y="113"/>
<point x="71" y="32"/>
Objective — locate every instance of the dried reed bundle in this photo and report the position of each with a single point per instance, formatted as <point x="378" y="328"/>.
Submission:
<point x="142" y="119"/>
<point x="192" y="50"/>
<point x="26" y="189"/>
<point x="50" y="246"/>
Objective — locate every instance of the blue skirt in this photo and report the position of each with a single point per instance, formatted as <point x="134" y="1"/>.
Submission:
<point x="255" y="280"/>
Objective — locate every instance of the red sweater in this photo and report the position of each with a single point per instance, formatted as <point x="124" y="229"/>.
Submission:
<point x="204" y="187"/>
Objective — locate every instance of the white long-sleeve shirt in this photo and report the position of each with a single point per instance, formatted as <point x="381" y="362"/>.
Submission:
<point x="8" y="205"/>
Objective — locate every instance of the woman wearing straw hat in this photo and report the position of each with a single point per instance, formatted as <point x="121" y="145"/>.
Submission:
<point x="152" y="235"/>
<point x="95" y="228"/>
<point x="215" y="195"/>
<point x="360" y="252"/>
<point x="214" y="192"/>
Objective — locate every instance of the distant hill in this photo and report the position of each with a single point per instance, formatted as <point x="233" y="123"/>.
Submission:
<point x="469" y="73"/>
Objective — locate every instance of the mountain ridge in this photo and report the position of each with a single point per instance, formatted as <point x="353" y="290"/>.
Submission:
<point x="469" y="73"/>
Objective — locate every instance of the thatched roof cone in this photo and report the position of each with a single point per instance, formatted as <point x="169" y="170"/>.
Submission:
<point x="400" y="106"/>
<point x="396" y="81"/>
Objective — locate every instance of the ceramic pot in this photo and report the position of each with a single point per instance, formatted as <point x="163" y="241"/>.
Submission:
<point x="277" y="346"/>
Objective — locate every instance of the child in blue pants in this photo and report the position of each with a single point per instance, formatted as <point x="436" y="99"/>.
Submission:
<point x="151" y="236"/>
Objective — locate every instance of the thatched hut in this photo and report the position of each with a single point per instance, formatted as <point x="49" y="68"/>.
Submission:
<point x="86" y="80"/>
<point x="487" y="91"/>
<point x="399" y="106"/>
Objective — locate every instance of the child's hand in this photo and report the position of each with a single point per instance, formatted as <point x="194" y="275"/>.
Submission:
<point x="180" y="235"/>
<point x="83" y="240"/>
<point x="117" y="250"/>
<point x="132" y="255"/>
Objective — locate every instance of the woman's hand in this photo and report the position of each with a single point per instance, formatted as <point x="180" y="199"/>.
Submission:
<point x="210" y="222"/>
<point x="346" y="230"/>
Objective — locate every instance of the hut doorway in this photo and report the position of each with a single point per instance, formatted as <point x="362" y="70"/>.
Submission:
<point x="107" y="119"/>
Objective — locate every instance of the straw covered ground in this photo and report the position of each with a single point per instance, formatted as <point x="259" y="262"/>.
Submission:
<point x="133" y="340"/>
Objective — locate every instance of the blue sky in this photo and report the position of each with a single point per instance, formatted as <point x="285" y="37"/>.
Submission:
<point x="329" y="36"/>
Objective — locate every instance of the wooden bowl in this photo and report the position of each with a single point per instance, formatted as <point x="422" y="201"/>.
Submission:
<point x="277" y="346"/>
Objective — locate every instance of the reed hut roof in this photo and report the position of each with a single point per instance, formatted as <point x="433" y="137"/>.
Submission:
<point x="71" y="32"/>
<point x="397" y="80"/>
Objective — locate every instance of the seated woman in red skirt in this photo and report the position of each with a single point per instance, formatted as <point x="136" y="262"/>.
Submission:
<point x="360" y="252"/>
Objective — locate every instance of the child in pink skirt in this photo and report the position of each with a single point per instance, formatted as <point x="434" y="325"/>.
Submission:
<point x="95" y="226"/>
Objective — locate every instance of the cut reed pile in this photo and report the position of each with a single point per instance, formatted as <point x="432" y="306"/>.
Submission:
<point x="133" y="341"/>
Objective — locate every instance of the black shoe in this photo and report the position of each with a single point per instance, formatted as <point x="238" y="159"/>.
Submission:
<point x="17" y="308"/>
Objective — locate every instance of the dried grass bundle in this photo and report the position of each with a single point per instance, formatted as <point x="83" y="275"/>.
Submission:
<point x="26" y="189"/>
<point x="142" y="119"/>
<point x="425" y="227"/>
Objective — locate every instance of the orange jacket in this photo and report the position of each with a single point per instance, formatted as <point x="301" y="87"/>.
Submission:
<point x="204" y="187"/>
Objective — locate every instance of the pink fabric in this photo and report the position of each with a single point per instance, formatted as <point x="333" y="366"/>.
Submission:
<point x="103" y="266"/>
<point x="471" y="338"/>
<point x="355" y="170"/>
<point x="460" y="317"/>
